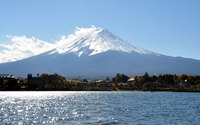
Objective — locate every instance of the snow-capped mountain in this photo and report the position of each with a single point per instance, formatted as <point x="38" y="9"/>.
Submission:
<point x="95" y="53"/>
<point x="91" y="41"/>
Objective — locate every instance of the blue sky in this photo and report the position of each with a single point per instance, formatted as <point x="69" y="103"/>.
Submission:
<point x="170" y="27"/>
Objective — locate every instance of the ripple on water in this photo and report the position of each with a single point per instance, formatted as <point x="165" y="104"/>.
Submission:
<point x="99" y="108"/>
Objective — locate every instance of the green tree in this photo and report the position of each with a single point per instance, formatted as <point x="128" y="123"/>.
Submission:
<point x="146" y="77"/>
<point x="120" y="78"/>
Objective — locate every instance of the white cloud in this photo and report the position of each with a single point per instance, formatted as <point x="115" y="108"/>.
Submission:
<point x="23" y="47"/>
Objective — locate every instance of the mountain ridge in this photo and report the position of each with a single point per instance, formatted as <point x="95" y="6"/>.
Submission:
<point x="94" y="52"/>
<point x="94" y="40"/>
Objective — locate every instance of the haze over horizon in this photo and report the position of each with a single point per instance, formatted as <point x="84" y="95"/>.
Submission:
<point x="166" y="27"/>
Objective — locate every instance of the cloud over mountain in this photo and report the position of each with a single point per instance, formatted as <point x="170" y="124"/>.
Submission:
<point x="89" y="41"/>
<point x="89" y="52"/>
<point x="92" y="41"/>
<point x="23" y="47"/>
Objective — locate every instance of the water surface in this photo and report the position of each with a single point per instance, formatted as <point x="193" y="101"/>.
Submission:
<point x="99" y="108"/>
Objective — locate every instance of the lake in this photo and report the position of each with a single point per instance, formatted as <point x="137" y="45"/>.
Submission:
<point x="131" y="108"/>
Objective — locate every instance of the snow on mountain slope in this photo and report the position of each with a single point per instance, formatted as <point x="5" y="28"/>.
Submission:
<point x="85" y="41"/>
<point x="91" y="41"/>
<point x="105" y="55"/>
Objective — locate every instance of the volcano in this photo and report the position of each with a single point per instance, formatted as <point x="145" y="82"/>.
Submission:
<point x="97" y="53"/>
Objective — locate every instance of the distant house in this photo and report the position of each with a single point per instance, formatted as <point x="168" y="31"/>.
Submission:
<point x="6" y="76"/>
<point x="99" y="81"/>
<point x="122" y="84"/>
<point x="83" y="84"/>
<point x="103" y="83"/>
<point x="184" y="84"/>
<point x="95" y="83"/>
<point x="130" y="81"/>
<point x="41" y="81"/>
<point x="8" y="81"/>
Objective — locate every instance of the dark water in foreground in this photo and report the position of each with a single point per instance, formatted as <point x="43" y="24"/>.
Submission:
<point x="99" y="108"/>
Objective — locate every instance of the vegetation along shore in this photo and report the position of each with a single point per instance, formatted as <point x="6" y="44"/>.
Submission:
<point x="121" y="82"/>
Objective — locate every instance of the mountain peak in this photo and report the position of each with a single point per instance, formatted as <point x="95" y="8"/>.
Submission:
<point x="93" y="40"/>
<point x="87" y="30"/>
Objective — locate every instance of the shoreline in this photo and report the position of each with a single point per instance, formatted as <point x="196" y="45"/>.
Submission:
<point x="62" y="90"/>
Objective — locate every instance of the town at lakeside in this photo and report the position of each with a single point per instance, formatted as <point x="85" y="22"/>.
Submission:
<point x="120" y="82"/>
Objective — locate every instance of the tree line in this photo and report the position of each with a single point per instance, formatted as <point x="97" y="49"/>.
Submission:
<point x="162" y="82"/>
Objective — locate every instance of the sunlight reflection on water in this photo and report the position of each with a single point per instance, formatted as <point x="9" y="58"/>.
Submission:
<point x="99" y="108"/>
